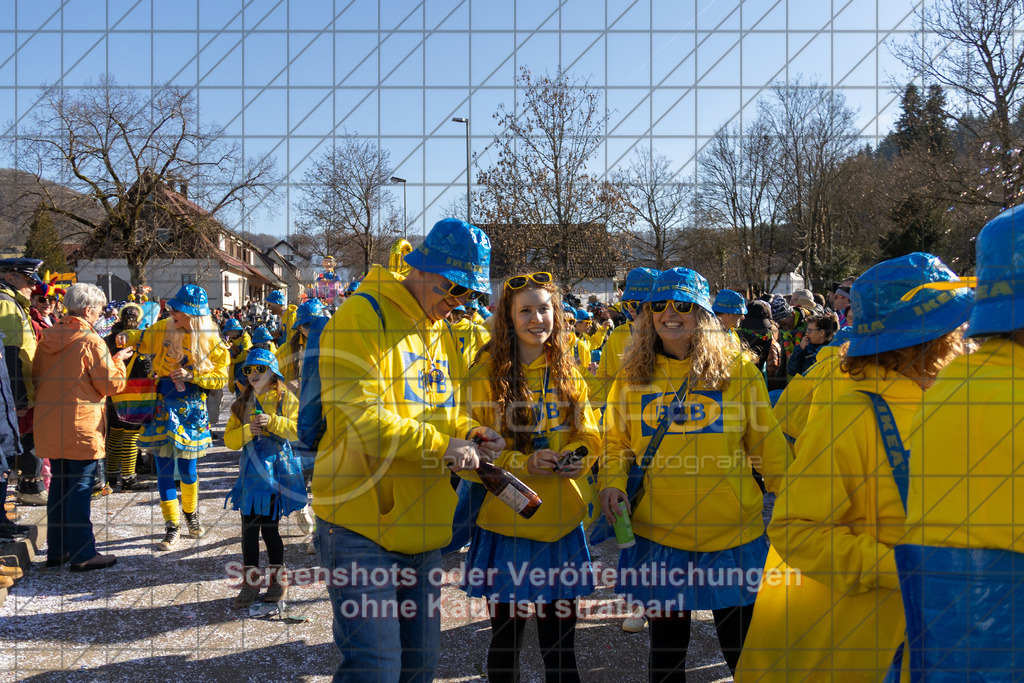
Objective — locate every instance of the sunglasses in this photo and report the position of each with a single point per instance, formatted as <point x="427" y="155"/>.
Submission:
<point x="258" y="369"/>
<point x="682" y="307"/>
<point x="458" y="291"/>
<point x="519" y="281"/>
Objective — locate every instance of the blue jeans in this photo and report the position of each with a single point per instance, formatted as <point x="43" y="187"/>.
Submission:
<point x="68" y="508"/>
<point x="387" y="631"/>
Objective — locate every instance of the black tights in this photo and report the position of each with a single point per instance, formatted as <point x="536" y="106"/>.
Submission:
<point x="670" y="638"/>
<point x="252" y="527"/>
<point x="556" y="628"/>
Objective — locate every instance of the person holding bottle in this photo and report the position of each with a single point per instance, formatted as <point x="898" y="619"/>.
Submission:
<point x="688" y="384"/>
<point x="190" y="359"/>
<point x="525" y="385"/>
<point x="394" y="428"/>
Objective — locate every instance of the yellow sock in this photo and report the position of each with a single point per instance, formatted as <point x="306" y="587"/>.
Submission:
<point x="189" y="496"/>
<point x="169" y="508"/>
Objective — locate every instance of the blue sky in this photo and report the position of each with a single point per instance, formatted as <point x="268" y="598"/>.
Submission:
<point x="287" y="75"/>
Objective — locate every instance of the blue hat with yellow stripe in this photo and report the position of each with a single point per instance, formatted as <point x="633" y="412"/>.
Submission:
<point x="263" y="357"/>
<point x="999" y="304"/>
<point x="682" y="284"/>
<point x="190" y="299"/>
<point x="583" y="315"/>
<point x="277" y="298"/>
<point x="639" y="282"/>
<point x="906" y="301"/>
<point x="261" y="335"/>
<point x="728" y="301"/>
<point x="457" y="251"/>
<point x="307" y="310"/>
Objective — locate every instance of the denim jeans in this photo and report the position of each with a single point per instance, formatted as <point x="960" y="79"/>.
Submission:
<point x="387" y="630"/>
<point x="68" y="507"/>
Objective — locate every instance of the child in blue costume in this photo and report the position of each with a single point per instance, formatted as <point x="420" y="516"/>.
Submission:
<point x="270" y="483"/>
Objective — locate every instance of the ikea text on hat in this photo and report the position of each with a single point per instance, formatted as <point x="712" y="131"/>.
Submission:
<point x="999" y="299"/>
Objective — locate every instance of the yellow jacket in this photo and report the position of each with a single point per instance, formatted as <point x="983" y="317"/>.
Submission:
<point x="287" y="320"/>
<point x="292" y="372"/>
<point x="565" y="500"/>
<point x="965" y="454"/>
<point x="151" y="341"/>
<point x="835" y="522"/>
<point x="700" y="494"/>
<point x="237" y="433"/>
<point x="16" y="327"/>
<point x="378" y="469"/>
<point x="471" y="338"/>
<point x="808" y="392"/>
<point x="611" y="361"/>
<point x="597" y="336"/>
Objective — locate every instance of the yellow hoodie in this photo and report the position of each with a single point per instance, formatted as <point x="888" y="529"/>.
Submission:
<point x="700" y="494"/>
<point x="965" y="457"/>
<point x="152" y="341"/>
<point x="471" y="338"/>
<point x="611" y="361"/>
<point x="835" y="522"/>
<point x="237" y="433"/>
<point x="378" y="469"/>
<point x="564" y="505"/>
<point x="805" y="394"/>
<point x="242" y="344"/>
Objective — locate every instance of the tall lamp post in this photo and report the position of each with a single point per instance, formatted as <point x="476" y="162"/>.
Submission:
<point x="395" y="180"/>
<point x="469" y="200"/>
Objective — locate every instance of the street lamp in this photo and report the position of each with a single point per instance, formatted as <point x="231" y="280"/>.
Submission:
<point x="469" y="212"/>
<point x="405" y="216"/>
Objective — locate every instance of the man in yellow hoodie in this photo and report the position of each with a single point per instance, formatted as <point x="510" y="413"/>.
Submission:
<point x="394" y="429"/>
<point x="964" y="512"/>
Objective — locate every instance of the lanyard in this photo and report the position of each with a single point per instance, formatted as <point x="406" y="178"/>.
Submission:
<point x="538" y="410"/>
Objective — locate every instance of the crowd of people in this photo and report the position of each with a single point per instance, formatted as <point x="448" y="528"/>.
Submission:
<point x="806" y="468"/>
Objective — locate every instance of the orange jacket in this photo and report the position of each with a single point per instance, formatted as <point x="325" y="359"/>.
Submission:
<point x="74" y="373"/>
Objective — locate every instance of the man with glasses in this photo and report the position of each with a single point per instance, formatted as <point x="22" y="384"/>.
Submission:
<point x="18" y="276"/>
<point x="393" y="432"/>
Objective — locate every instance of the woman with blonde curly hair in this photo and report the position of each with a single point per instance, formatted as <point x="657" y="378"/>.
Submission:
<point x="525" y="385"/>
<point x="843" y="502"/>
<point x="190" y="359"/>
<point x="693" y="413"/>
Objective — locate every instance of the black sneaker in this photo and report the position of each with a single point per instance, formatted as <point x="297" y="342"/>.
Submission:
<point x="195" y="527"/>
<point x="133" y="484"/>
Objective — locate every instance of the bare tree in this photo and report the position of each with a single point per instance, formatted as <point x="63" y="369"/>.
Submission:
<point x="972" y="49"/>
<point x="814" y="129"/>
<point x="657" y="208"/>
<point x="539" y="194"/>
<point x="345" y="210"/>
<point x="121" y="148"/>
<point x="741" y="190"/>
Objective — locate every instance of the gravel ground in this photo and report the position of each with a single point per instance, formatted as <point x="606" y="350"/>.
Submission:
<point x="168" y="616"/>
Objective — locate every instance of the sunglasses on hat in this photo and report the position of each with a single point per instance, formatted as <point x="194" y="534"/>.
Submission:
<point x="458" y="291"/>
<point x="682" y="307"/>
<point x="519" y="281"/>
<point x="258" y="369"/>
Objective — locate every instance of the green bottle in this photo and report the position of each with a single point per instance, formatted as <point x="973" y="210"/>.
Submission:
<point x="624" y="528"/>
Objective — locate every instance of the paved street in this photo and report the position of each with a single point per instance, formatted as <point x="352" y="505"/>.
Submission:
<point x="169" y="617"/>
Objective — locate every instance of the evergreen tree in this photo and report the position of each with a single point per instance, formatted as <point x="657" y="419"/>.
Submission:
<point x="909" y="126"/>
<point x="44" y="242"/>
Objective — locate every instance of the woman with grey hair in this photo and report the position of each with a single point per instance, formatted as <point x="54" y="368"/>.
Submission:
<point x="74" y="373"/>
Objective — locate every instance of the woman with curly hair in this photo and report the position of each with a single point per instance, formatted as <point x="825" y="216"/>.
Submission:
<point x="190" y="359"/>
<point x="843" y="502"/>
<point x="525" y="385"/>
<point x="685" y="382"/>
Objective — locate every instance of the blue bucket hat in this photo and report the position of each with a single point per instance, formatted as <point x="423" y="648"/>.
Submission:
<point x="906" y="301"/>
<point x="307" y="310"/>
<point x="639" y="282"/>
<point x="191" y="299"/>
<point x="583" y="314"/>
<point x="263" y="357"/>
<point x="484" y="313"/>
<point x="471" y="304"/>
<point x="842" y="336"/>
<point x="277" y="298"/>
<point x="681" y="284"/>
<point x="728" y="301"/>
<point x="460" y="309"/>
<point x="261" y="335"/>
<point x="1000" y="297"/>
<point x="352" y="286"/>
<point x="232" y="325"/>
<point x="457" y="251"/>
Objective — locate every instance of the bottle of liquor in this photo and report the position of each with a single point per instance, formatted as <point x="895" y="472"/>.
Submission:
<point x="570" y="459"/>
<point x="507" y="488"/>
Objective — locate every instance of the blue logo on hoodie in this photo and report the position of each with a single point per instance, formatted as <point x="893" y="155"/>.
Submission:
<point x="422" y="379"/>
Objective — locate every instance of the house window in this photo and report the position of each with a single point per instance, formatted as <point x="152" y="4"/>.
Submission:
<point x="188" y="279"/>
<point x="227" y="285"/>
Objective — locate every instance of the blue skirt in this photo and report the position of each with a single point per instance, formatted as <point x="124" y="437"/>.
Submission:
<point x="518" y="570"/>
<point x="672" y="580"/>
<point x="181" y="420"/>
